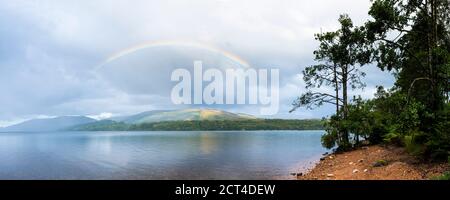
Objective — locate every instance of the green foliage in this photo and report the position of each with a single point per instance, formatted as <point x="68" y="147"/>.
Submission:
<point x="393" y="118"/>
<point x="420" y="56"/>
<point x="411" y="145"/>
<point x="364" y="123"/>
<point x="105" y="125"/>
<point x="444" y="177"/>
<point x="268" y="124"/>
<point x="210" y="125"/>
<point x="329" y="139"/>
<point x="409" y="119"/>
<point x="340" y="55"/>
<point x="412" y="39"/>
<point x="335" y="134"/>
<point x="407" y="124"/>
<point x="360" y="122"/>
<point x="393" y="137"/>
<point x="380" y="163"/>
<point x="437" y="140"/>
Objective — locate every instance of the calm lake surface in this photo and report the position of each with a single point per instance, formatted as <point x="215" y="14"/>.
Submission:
<point x="158" y="155"/>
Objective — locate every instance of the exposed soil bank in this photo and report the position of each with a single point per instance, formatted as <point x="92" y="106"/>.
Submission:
<point x="374" y="163"/>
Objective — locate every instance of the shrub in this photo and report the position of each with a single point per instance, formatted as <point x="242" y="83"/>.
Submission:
<point x="444" y="177"/>
<point x="329" y="140"/>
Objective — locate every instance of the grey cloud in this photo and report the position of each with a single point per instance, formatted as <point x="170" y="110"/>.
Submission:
<point x="49" y="48"/>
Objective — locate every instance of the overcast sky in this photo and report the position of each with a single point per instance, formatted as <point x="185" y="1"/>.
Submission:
<point x="49" y="51"/>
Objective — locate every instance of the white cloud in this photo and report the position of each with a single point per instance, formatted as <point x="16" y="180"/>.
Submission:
<point x="101" y="116"/>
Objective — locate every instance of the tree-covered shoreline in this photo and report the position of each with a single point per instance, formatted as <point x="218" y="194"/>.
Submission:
<point x="410" y="39"/>
<point x="206" y="125"/>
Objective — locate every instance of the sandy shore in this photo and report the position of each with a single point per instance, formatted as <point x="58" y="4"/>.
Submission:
<point x="374" y="163"/>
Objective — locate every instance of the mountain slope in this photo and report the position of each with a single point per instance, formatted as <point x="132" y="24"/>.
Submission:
<point x="51" y="124"/>
<point x="102" y="125"/>
<point x="184" y="115"/>
<point x="205" y="125"/>
<point x="124" y="122"/>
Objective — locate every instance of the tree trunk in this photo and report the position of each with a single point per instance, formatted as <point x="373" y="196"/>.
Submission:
<point x="345" y="103"/>
<point x="432" y="44"/>
<point x="336" y="88"/>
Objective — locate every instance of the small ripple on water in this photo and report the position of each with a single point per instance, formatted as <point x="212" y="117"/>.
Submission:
<point x="158" y="155"/>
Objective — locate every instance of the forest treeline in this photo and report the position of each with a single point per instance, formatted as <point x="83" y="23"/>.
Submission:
<point x="410" y="39"/>
<point x="205" y="125"/>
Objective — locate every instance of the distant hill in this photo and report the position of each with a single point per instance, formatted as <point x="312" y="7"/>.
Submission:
<point x="182" y="115"/>
<point x="227" y="125"/>
<point x="103" y="125"/>
<point x="205" y="125"/>
<point x="165" y="120"/>
<point x="50" y="124"/>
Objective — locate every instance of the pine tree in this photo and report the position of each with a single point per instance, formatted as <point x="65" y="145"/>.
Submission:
<point x="340" y="55"/>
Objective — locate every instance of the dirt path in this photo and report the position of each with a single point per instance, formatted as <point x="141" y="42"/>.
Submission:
<point x="392" y="163"/>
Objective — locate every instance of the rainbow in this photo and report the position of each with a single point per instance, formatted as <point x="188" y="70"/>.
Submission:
<point x="232" y="57"/>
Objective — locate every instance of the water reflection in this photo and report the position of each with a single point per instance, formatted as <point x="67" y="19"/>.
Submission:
<point x="157" y="155"/>
<point x="207" y="143"/>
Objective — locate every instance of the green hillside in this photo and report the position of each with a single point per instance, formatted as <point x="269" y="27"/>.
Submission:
<point x="182" y="115"/>
<point x="206" y="125"/>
